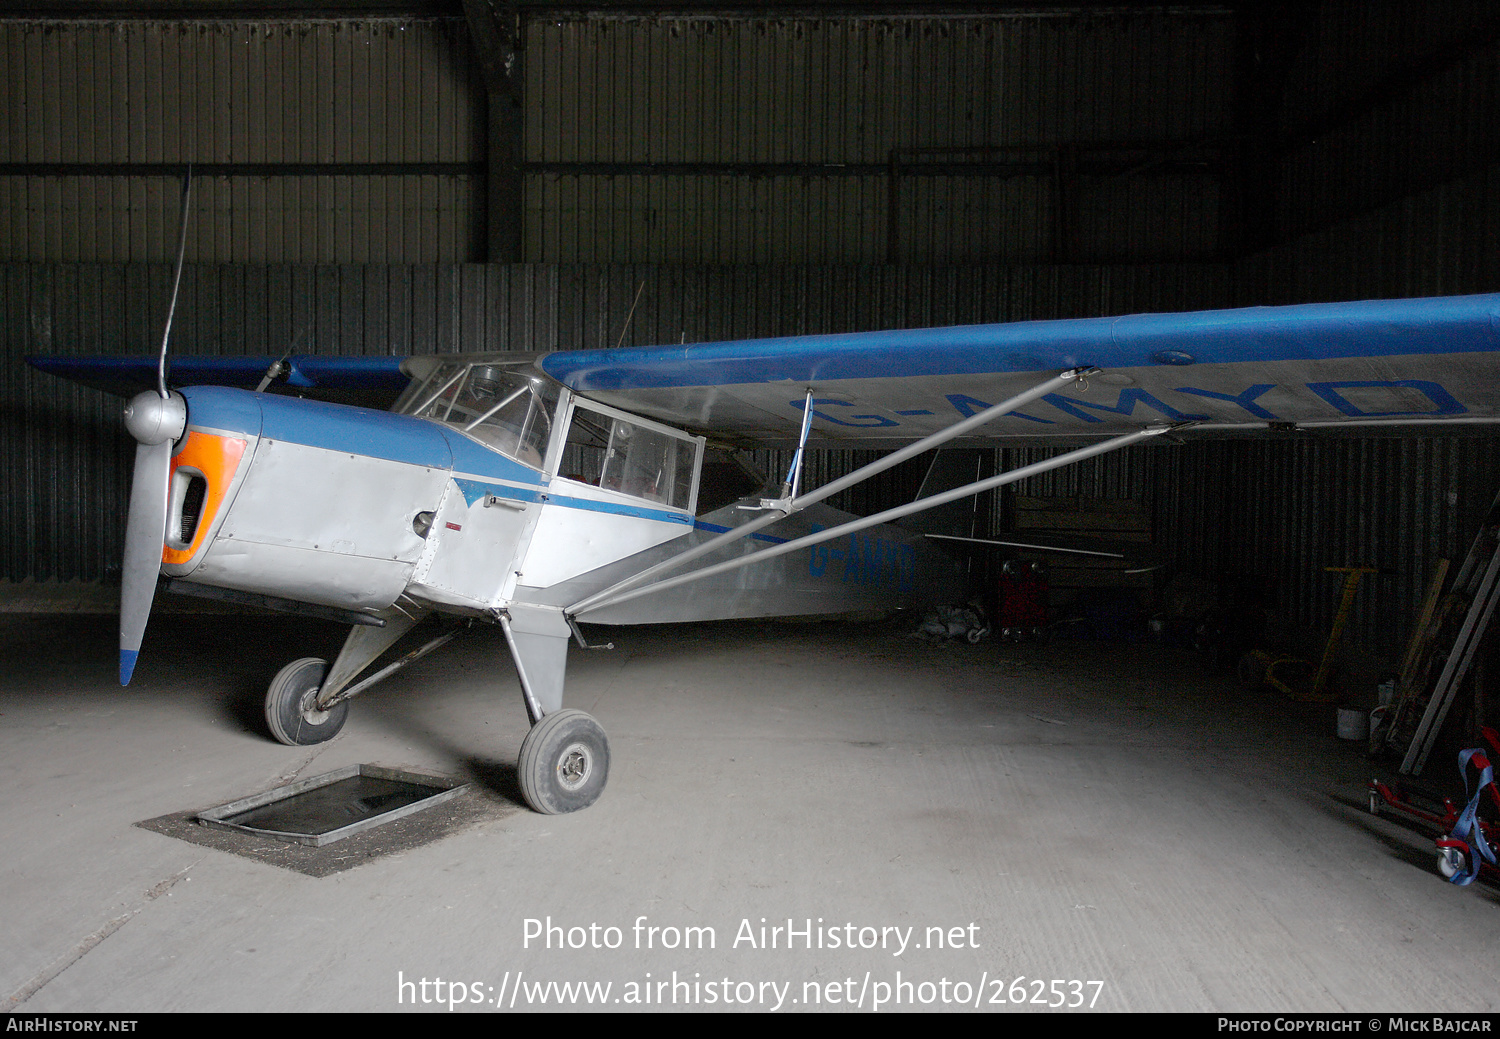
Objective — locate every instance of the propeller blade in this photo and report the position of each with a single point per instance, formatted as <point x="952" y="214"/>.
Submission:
<point x="155" y="423"/>
<point x="144" y="534"/>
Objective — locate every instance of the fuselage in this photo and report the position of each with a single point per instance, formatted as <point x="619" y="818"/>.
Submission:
<point x="471" y="502"/>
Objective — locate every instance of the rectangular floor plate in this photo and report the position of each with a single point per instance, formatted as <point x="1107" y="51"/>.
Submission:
<point x="330" y="807"/>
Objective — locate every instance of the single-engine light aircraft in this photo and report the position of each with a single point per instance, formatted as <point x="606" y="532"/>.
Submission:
<point x="536" y="491"/>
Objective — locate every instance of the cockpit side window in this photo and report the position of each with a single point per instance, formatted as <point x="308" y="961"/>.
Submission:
<point x="620" y="455"/>
<point x="727" y="478"/>
<point x="504" y="409"/>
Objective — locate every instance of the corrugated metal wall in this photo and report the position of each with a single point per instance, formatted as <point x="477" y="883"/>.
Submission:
<point x="399" y="92"/>
<point x="1281" y="510"/>
<point x="1403" y="191"/>
<point x="421" y="218"/>
<point x="846" y="90"/>
<point x="849" y="95"/>
<point x="727" y="139"/>
<point x="1387" y="100"/>
<point x="1439" y="242"/>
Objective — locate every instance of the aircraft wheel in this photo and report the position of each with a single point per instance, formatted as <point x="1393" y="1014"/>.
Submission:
<point x="1451" y="862"/>
<point x="291" y="713"/>
<point x="564" y="763"/>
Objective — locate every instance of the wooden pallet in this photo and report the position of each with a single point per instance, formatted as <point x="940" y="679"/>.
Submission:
<point x="1110" y="520"/>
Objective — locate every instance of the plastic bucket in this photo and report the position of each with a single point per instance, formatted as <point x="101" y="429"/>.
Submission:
<point x="1354" y="724"/>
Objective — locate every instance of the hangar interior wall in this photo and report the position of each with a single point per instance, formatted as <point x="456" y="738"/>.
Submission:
<point x="1010" y="137"/>
<point x="726" y="165"/>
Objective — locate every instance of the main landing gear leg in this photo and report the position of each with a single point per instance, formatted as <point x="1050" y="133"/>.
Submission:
<point x="307" y="701"/>
<point x="564" y="760"/>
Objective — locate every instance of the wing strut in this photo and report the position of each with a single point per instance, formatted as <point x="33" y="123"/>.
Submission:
<point x="887" y="516"/>
<point x="793" y="482"/>
<point x="779" y="508"/>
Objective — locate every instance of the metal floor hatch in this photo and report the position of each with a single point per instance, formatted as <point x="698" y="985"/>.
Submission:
<point x="335" y="805"/>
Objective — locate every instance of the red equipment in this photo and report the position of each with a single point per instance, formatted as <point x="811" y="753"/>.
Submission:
<point x="1456" y="854"/>
<point x="1023" y="600"/>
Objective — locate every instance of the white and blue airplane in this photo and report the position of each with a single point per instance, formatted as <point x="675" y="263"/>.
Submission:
<point x="540" y="491"/>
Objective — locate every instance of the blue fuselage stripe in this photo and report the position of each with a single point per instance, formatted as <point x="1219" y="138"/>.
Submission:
<point x="716" y="528"/>
<point x="472" y="457"/>
<point x="359" y="431"/>
<point x="473" y="490"/>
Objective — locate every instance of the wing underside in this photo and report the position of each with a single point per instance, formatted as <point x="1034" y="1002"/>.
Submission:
<point x="1383" y="363"/>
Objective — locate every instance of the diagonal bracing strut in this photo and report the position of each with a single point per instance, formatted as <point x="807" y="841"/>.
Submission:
<point x="920" y="505"/>
<point x="777" y="509"/>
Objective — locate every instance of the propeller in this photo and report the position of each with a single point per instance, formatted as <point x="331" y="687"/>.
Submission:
<point x="156" y="418"/>
<point x="155" y="422"/>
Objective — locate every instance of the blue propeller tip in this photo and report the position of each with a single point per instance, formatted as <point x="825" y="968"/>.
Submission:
<point x="127" y="664"/>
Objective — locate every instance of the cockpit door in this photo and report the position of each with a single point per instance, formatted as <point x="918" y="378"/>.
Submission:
<point x="621" y="484"/>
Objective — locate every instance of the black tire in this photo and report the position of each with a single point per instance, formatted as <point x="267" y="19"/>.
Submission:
<point x="564" y="763"/>
<point x="290" y="713"/>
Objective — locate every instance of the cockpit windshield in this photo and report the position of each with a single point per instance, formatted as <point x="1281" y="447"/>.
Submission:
<point x="502" y="407"/>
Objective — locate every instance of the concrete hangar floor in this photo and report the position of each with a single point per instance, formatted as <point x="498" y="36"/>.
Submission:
<point x="818" y="816"/>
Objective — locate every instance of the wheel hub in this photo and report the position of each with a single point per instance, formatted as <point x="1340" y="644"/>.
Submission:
<point x="311" y="713"/>
<point x="574" y="766"/>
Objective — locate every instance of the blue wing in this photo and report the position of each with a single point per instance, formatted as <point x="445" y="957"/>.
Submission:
<point x="1385" y="362"/>
<point x="127" y="376"/>
<point x="1423" y="362"/>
